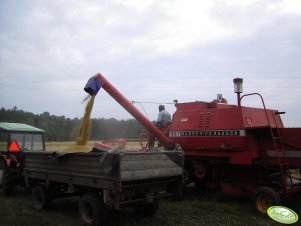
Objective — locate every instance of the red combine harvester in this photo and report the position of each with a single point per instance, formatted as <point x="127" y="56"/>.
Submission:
<point x="239" y="149"/>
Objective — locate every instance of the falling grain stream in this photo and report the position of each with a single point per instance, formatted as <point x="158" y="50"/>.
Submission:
<point x="84" y="130"/>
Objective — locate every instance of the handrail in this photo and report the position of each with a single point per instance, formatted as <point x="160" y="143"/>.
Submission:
<point x="265" y="110"/>
<point x="284" y="176"/>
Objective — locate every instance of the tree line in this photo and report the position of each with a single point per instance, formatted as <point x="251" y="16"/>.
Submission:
<point x="60" y="128"/>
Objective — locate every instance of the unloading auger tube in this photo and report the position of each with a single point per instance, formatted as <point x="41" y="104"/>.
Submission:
<point x="99" y="81"/>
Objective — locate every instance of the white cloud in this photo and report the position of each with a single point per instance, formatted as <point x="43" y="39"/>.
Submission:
<point x="189" y="24"/>
<point x="183" y="25"/>
<point x="86" y="11"/>
<point x="285" y="6"/>
<point x="136" y="5"/>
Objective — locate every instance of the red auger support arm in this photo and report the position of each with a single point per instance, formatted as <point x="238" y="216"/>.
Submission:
<point x="98" y="81"/>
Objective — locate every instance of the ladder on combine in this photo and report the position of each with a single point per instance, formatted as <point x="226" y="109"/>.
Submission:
<point x="280" y="164"/>
<point x="281" y="158"/>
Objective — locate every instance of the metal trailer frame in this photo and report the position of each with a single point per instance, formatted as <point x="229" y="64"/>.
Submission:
<point x="131" y="179"/>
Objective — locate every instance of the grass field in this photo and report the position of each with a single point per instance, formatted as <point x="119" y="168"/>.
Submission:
<point x="197" y="208"/>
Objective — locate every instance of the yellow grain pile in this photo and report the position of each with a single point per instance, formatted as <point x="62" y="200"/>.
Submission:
<point x="84" y="130"/>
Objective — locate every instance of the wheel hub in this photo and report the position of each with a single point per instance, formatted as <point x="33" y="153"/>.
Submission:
<point x="263" y="203"/>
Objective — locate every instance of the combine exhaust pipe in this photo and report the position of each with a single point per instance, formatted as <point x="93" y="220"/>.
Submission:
<point x="99" y="81"/>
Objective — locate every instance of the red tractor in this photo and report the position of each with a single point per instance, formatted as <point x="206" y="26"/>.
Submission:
<point x="236" y="148"/>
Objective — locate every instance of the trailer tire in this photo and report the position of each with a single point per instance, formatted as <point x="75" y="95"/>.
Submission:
<point x="40" y="197"/>
<point x="263" y="198"/>
<point x="148" y="209"/>
<point x="6" y="181"/>
<point x="92" y="210"/>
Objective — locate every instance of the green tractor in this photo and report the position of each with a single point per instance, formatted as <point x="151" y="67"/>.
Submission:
<point x="16" y="138"/>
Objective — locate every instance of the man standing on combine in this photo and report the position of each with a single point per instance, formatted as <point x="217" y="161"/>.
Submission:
<point x="164" y="118"/>
<point x="163" y="122"/>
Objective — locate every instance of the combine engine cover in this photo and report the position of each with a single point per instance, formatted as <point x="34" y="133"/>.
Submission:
<point x="236" y="134"/>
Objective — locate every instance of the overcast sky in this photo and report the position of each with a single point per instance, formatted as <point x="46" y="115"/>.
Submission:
<point x="152" y="51"/>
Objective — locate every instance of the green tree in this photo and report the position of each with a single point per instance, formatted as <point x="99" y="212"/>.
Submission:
<point x="60" y="128"/>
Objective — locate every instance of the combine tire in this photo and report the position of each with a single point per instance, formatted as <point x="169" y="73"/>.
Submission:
<point x="92" y="210"/>
<point x="264" y="198"/>
<point x="40" y="197"/>
<point x="6" y="180"/>
<point x="148" y="209"/>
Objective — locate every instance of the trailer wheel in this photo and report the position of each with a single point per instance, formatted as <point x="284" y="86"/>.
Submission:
<point x="6" y="182"/>
<point x="92" y="210"/>
<point x="40" y="197"/>
<point x="264" y="198"/>
<point x="148" y="209"/>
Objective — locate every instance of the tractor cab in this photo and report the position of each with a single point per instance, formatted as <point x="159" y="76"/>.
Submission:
<point x="15" y="137"/>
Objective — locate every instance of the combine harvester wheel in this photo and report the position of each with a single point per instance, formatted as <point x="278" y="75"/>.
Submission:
<point x="264" y="198"/>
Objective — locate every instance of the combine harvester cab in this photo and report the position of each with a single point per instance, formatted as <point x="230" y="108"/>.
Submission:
<point x="239" y="149"/>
